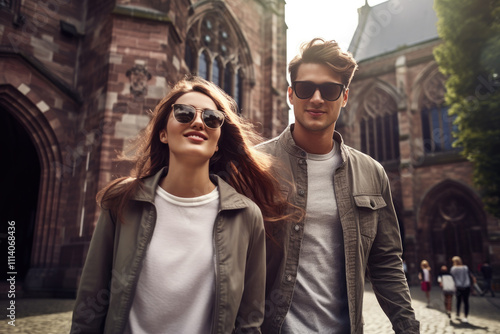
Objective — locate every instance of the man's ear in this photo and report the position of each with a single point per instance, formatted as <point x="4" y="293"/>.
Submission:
<point x="163" y="137"/>
<point x="290" y="94"/>
<point x="345" y="98"/>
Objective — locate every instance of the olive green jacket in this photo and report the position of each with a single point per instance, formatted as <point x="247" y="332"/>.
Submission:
<point x="117" y="250"/>
<point x="372" y="241"/>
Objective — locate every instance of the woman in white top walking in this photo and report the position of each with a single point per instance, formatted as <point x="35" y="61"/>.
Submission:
<point x="447" y="285"/>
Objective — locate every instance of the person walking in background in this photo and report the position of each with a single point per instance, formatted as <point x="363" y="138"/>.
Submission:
<point x="316" y="274"/>
<point x="447" y="285"/>
<point x="463" y="282"/>
<point x="487" y="272"/>
<point x="176" y="248"/>
<point x="424" y="275"/>
<point x="405" y="269"/>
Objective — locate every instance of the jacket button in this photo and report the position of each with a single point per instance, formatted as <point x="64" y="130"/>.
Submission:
<point x="303" y="153"/>
<point x="297" y="227"/>
<point x="288" y="278"/>
<point x="301" y="192"/>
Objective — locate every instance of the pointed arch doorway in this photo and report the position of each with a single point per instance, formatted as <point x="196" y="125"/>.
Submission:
<point x="20" y="181"/>
<point x="455" y="225"/>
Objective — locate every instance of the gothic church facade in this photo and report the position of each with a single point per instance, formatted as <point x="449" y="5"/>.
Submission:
<point x="77" y="81"/>
<point x="397" y="114"/>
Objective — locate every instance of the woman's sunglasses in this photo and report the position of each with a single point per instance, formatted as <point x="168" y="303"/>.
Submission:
<point x="184" y="113"/>
<point x="330" y="91"/>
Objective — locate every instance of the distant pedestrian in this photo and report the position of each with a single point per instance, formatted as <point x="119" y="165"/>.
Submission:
<point x="447" y="285"/>
<point x="487" y="272"/>
<point x="463" y="282"/>
<point x="405" y="269"/>
<point x="424" y="276"/>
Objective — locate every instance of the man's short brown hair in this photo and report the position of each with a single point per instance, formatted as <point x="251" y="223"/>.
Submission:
<point x="319" y="51"/>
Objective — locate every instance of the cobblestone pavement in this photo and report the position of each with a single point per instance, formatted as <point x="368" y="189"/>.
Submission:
<point x="53" y="316"/>
<point x="484" y="314"/>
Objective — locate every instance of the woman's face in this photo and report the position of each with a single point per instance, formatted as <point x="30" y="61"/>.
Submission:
<point x="194" y="141"/>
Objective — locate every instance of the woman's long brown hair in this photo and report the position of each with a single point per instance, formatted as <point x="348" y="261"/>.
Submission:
<point x="237" y="161"/>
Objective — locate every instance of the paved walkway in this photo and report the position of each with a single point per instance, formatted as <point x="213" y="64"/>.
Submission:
<point x="484" y="314"/>
<point x="53" y="316"/>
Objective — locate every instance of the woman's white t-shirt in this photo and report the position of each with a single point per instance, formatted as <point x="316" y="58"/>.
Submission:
<point x="176" y="288"/>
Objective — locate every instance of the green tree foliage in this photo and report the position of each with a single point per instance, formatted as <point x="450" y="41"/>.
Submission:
<point x="470" y="57"/>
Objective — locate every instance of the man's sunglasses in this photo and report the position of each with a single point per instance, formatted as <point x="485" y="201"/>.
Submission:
<point x="330" y="91"/>
<point x="184" y="113"/>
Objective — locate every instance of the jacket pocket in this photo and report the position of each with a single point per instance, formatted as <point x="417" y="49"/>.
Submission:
<point x="368" y="206"/>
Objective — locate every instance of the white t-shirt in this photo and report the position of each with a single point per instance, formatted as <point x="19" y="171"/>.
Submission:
<point x="176" y="288"/>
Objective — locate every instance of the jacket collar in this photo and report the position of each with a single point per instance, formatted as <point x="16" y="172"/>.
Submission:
<point x="286" y="139"/>
<point x="230" y="199"/>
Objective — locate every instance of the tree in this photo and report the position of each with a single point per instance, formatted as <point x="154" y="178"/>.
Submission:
<point x="470" y="58"/>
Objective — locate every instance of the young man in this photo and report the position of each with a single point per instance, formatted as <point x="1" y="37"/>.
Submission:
<point x="316" y="267"/>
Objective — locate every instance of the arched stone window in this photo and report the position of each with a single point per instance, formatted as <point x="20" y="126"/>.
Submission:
<point x="203" y="66"/>
<point x="437" y="125"/>
<point x="189" y="58"/>
<point x="238" y="88"/>
<point x="379" y="127"/>
<point x="228" y="79"/>
<point x="216" y="72"/>
<point x="225" y="57"/>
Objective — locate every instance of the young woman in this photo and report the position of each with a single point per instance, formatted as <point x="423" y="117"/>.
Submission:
<point x="424" y="276"/>
<point x="463" y="278"/>
<point x="176" y="248"/>
<point x="447" y="285"/>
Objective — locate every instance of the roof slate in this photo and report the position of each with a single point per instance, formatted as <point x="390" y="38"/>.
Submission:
<point x="393" y="25"/>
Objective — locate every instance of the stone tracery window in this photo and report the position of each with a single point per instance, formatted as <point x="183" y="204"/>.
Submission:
<point x="437" y="125"/>
<point x="228" y="79"/>
<point x="216" y="72"/>
<point x="379" y="127"/>
<point x="203" y="66"/>
<point x="6" y="4"/>
<point x="214" y="53"/>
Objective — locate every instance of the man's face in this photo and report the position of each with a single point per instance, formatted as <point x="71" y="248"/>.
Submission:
<point x="316" y="114"/>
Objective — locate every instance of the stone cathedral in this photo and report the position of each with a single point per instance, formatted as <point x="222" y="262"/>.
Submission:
<point x="77" y="81"/>
<point x="397" y="114"/>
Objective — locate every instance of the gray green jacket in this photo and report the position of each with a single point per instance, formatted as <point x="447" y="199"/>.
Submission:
<point x="117" y="251"/>
<point x="372" y="241"/>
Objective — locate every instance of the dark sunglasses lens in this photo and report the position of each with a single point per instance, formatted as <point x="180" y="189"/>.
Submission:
<point x="304" y="90"/>
<point x="184" y="113"/>
<point x="330" y="91"/>
<point x="213" y="118"/>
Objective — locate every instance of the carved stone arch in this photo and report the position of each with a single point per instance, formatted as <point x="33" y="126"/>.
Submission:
<point x="380" y="98"/>
<point x="420" y="91"/>
<point x="42" y="135"/>
<point x="433" y="91"/>
<point x="451" y="221"/>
